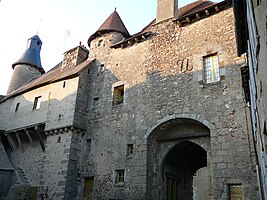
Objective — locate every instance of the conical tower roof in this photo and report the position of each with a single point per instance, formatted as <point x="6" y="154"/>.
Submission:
<point x="31" y="56"/>
<point x="112" y="23"/>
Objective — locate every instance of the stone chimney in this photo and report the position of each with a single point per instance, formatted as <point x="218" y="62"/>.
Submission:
<point x="74" y="57"/>
<point x="166" y="9"/>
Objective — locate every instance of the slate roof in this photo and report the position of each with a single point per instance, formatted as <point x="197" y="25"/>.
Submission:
<point x="31" y="56"/>
<point x="54" y="75"/>
<point x="112" y="23"/>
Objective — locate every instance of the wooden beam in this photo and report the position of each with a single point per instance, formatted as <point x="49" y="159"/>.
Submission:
<point x="39" y="135"/>
<point x="188" y="20"/>
<point x="29" y="136"/>
<point x="11" y="144"/>
<point x="179" y="23"/>
<point x="19" y="141"/>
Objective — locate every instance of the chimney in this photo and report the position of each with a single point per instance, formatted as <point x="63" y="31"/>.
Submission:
<point x="167" y="9"/>
<point x="74" y="57"/>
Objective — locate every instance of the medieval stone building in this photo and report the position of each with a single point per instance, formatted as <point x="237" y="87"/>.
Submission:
<point x="251" y="29"/>
<point x="160" y="114"/>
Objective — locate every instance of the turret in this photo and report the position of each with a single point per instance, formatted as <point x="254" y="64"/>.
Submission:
<point x="28" y="67"/>
<point x="113" y="26"/>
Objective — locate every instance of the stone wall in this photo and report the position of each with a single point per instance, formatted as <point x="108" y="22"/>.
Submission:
<point x="30" y="159"/>
<point x="61" y="105"/>
<point x="156" y="87"/>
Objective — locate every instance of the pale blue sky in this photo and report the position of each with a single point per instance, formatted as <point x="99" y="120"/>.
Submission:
<point x="20" y="20"/>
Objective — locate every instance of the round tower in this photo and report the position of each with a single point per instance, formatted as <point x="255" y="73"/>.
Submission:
<point x="28" y="67"/>
<point x="109" y="33"/>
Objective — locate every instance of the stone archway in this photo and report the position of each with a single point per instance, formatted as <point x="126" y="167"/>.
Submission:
<point x="179" y="168"/>
<point x="177" y="149"/>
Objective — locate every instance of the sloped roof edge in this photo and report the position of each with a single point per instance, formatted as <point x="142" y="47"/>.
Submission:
<point x="52" y="76"/>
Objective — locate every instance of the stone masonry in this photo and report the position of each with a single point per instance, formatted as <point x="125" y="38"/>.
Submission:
<point x="135" y="118"/>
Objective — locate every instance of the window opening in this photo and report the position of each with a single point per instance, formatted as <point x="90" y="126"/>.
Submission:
<point x="129" y="149"/>
<point x="88" y="147"/>
<point x="101" y="68"/>
<point x="236" y="192"/>
<point x="119" y="176"/>
<point x="95" y="105"/>
<point x="118" y="95"/>
<point x="49" y="95"/>
<point x="37" y="103"/>
<point x="99" y="43"/>
<point x="17" y="107"/>
<point x="64" y="84"/>
<point x="211" y="68"/>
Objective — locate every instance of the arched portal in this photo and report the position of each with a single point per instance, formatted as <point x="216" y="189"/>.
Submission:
<point x="178" y="160"/>
<point x="179" y="169"/>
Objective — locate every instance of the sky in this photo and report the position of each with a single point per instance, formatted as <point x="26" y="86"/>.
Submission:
<point x="61" y="25"/>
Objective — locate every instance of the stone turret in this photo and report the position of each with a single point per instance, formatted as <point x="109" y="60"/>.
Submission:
<point x="28" y="67"/>
<point x="166" y="9"/>
<point x="113" y="24"/>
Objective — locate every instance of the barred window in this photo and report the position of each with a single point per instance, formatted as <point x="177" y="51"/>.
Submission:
<point x="211" y="68"/>
<point x="119" y="176"/>
<point x="236" y="192"/>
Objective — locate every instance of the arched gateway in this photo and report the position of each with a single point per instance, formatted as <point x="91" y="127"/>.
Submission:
<point x="179" y="165"/>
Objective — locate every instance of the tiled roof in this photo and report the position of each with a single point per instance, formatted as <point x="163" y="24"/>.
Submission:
<point x="54" y="75"/>
<point x="112" y="23"/>
<point x="194" y="7"/>
<point x="184" y="11"/>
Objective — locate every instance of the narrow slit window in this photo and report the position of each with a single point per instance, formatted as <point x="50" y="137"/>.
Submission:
<point x="211" y="68"/>
<point x="17" y="107"/>
<point x="37" y="103"/>
<point x="118" y="95"/>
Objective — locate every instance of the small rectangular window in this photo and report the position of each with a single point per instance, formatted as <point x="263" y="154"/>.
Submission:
<point x="95" y="105"/>
<point x="101" y="68"/>
<point x="236" y="192"/>
<point x="211" y="68"/>
<point x="119" y="176"/>
<point x="118" y="95"/>
<point x="64" y="84"/>
<point x="37" y="103"/>
<point x="17" y="107"/>
<point x="129" y="149"/>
